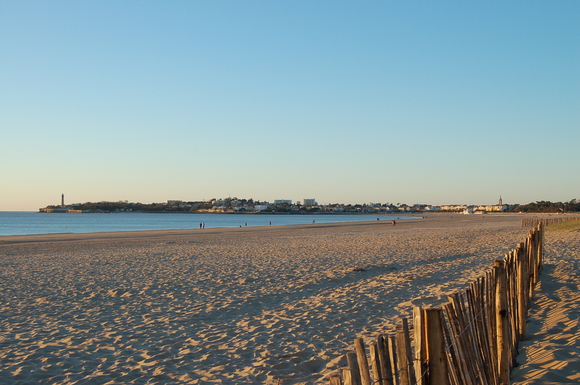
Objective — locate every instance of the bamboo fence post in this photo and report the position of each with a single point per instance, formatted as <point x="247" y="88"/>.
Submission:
<point x="419" y="343"/>
<point x="363" y="362"/>
<point x="351" y="358"/>
<point x="436" y="357"/>
<point x="501" y="324"/>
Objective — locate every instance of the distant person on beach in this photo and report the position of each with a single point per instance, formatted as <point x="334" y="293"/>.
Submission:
<point x="200" y="225"/>
<point x="394" y="223"/>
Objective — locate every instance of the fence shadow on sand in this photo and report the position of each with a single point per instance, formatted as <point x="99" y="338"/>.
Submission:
<point x="472" y="339"/>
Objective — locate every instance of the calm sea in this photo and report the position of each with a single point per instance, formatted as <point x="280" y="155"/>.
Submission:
<point x="27" y="223"/>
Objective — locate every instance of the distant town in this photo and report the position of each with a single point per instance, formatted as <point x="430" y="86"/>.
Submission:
<point x="306" y="206"/>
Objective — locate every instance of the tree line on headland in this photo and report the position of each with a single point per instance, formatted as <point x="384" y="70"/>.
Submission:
<point x="550" y="207"/>
<point x="236" y="205"/>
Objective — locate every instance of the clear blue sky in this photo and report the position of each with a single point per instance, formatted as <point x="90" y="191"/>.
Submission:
<point x="379" y="101"/>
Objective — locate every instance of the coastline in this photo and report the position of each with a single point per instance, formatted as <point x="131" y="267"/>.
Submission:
<point x="233" y="305"/>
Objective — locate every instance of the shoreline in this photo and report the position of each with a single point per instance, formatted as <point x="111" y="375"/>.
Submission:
<point x="33" y="224"/>
<point x="59" y="237"/>
<point x="371" y="218"/>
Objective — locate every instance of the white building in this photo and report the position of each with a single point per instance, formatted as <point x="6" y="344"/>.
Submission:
<point x="283" y="202"/>
<point x="453" y="207"/>
<point x="310" y="202"/>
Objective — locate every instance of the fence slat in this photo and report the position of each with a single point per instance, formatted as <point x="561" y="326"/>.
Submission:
<point x="438" y="374"/>
<point x="354" y="369"/>
<point x="363" y="363"/>
<point x="375" y="363"/>
<point x="501" y="322"/>
<point x="405" y="355"/>
<point x="419" y="343"/>
<point x="384" y="360"/>
<point x="392" y="347"/>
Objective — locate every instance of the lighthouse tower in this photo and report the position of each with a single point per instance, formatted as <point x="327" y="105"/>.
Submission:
<point x="62" y="200"/>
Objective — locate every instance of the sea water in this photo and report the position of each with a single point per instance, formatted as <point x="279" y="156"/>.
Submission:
<point x="29" y="223"/>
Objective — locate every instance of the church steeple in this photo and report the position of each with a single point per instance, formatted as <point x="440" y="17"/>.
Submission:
<point x="500" y="203"/>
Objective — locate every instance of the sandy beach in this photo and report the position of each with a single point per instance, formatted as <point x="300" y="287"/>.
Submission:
<point x="252" y="305"/>
<point x="551" y="352"/>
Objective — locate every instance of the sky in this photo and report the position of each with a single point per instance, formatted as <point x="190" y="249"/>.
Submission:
<point x="442" y="102"/>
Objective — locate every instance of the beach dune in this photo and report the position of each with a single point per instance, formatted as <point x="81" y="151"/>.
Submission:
<point x="234" y="306"/>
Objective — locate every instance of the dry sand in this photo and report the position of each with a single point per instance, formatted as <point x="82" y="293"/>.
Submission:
<point x="551" y="352"/>
<point x="235" y="306"/>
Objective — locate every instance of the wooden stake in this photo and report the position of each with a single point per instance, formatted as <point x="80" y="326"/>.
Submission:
<point x="419" y="342"/>
<point x="406" y="370"/>
<point x="385" y="360"/>
<point x="436" y="357"/>
<point x="354" y="369"/>
<point x="393" y="356"/>
<point x="375" y="363"/>
<point x="522" y="293"/>
<point x="363" y="362"/>
<point x="501" y="313"/>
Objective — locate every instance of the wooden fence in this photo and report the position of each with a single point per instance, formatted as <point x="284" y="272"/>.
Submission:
<point x="471" y="340"/>
<point x="533" y="222"/>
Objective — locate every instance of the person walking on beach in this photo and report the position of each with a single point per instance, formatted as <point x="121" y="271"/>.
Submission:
<point x="394" y="223"/>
